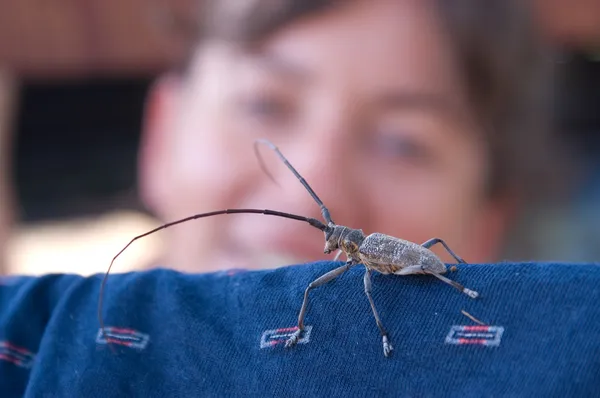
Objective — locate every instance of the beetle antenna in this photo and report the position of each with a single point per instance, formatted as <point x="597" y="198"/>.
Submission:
<point x="312" y="221"/>
<point x="324" y="209"/>
<point x="262" y="164"/>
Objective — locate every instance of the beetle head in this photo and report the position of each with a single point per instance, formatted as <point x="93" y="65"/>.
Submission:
<point x="332" y="237"/>
<point x="340" y="237"/>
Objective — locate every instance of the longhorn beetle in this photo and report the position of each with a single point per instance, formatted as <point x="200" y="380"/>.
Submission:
<point x="377" y="252"/>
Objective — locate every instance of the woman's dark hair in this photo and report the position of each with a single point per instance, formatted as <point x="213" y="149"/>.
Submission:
<point x="506" y="69"/>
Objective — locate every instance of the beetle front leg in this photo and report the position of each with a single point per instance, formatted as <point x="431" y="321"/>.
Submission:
<point x="316" y="283"/>
<point x="387" y="347"/>
<point x="338" y="255"/>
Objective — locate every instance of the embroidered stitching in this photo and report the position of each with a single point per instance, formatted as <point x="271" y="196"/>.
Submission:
<point x="475" y="335"/>
<point x="16" y="355"/>
<point x="123" y="336"/>
<point x="273" y="337"/>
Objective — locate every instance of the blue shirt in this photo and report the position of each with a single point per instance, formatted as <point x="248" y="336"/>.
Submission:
<point x="222" y="334"/>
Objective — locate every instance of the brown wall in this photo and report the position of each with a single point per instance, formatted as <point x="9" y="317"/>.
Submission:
<point x="63" y="38"/>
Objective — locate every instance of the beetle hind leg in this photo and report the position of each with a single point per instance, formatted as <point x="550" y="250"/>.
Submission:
<point x="434" y="241"/>
<point x="471" y="293"/>
<point x="421" y="269"/>
<point x="411" y="270"/>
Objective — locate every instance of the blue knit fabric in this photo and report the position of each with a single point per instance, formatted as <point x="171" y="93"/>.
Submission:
<point x="221" y="334"/>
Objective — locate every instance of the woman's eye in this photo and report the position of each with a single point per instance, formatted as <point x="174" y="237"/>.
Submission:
<point x="265" y="107"/>
<point x="401" y="147"/>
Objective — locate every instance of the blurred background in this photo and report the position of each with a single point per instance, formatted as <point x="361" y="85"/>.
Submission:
<point x="73" y="81"/>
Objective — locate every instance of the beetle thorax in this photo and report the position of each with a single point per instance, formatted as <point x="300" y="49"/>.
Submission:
<point x="344" y="238"/>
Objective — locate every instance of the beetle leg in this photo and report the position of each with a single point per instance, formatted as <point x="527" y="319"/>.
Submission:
<point x="420" y="269"/>
<point x="461" y="288"/>
<point x="337" y="256"/>
<point x="411" y="270"/>
<point x="434" y="241"/>
<point x="387" y="347"/>
<point x="323" y="279"/>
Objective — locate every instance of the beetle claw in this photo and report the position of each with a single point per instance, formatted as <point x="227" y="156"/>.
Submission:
<point x="293" y="339"/>
<point x="387" y="347"/>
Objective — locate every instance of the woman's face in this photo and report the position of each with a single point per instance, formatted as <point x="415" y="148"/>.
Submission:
<point x="365" y="102"/>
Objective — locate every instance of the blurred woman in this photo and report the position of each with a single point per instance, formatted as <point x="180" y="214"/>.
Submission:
<point x="412" y="118"/>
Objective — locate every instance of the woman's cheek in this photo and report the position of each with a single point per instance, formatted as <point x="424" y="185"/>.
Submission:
<point x="191" y="172"/>
<point x="423" y="211"/>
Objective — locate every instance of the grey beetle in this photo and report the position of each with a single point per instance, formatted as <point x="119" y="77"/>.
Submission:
<point x="377" y="252"/>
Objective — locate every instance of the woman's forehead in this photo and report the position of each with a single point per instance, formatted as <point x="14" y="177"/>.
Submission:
<point x="385" y="44"/>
